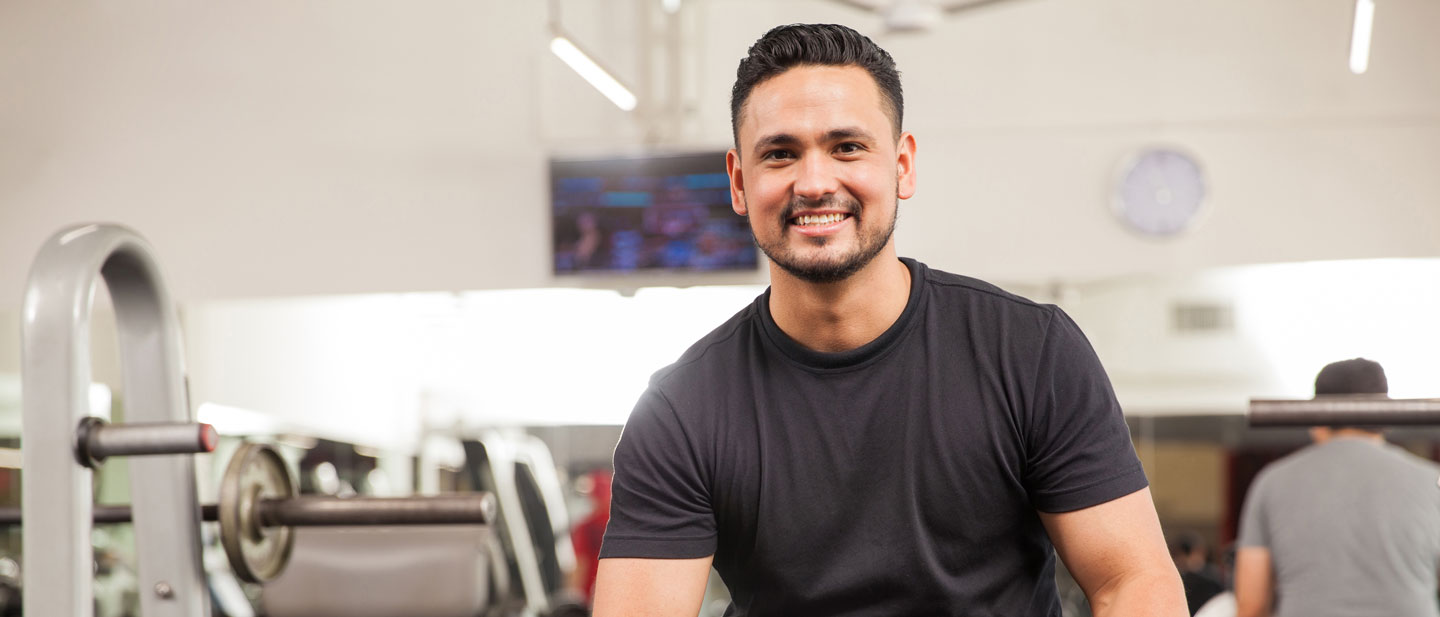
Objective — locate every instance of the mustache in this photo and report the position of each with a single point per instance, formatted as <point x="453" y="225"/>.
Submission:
<point x="849" y="205"/>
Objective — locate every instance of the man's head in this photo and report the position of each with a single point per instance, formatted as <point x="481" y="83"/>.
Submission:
<point x="1354" y="377"/>
<point x="1349" y="377"/>
<point x="786" y="47"/>
<point x="819" y="160"/>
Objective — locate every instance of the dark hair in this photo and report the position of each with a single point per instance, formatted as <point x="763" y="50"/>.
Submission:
<point x="786" y="47"/>
<point x="1355" y="376"/>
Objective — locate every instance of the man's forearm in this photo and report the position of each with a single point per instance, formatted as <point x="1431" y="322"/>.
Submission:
<point x="1152" y="595"/>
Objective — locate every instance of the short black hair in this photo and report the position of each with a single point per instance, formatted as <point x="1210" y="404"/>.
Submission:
<point x="1354" y="376"/>
<point x="786" y="47"/>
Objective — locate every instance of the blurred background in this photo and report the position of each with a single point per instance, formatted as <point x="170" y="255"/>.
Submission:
<point x="398" y="230"/>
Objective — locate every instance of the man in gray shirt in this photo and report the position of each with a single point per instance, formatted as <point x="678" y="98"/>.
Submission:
<point x="1347" y="526"/>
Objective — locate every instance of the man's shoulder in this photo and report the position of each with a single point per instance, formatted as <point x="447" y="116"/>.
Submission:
<point x="958" y="288"/>
<point x="1406" y="459"/>
<point x="721" y="347"/>
<point x="1346" y="454"/>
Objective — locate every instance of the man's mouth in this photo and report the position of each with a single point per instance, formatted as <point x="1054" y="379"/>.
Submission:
<point x="817" y="220"/>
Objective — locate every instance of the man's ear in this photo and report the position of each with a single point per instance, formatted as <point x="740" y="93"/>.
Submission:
<point x="905" y="166"/>
<point x="737" y="182"/>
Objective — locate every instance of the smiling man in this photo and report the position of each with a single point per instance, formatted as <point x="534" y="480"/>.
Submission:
<point x="871" y="436"/>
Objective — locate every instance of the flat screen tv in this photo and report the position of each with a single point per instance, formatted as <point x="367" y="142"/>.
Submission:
<point x="651" y="213"/>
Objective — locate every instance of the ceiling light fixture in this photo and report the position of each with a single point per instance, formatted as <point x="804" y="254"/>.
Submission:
<point x="603" y="81"/>
<point x="1360" y="39"/>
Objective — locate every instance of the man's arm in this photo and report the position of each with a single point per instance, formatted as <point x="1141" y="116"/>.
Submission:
<point x="1254" y="582"/>
<point x="1117" y="554"/>
<point x="650" y="587"/>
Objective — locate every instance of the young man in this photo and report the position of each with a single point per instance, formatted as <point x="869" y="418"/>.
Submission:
<point x="871" y="437"/>
<point x="1347" y="526"/>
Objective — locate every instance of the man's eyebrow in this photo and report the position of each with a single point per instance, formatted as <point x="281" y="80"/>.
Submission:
<point x="775" y="139"/>
<point x="786" y="139"/>
<point x="849" y="132"/>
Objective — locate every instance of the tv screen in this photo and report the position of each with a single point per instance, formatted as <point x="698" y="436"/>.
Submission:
<point x="646" y="214"/>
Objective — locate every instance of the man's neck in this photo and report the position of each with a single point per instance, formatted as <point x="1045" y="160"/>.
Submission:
<point x="841" y="316"/>
<point x="1325" y="435"/>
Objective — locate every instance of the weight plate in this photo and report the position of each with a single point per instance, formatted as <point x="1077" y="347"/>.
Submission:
<point x="256" y="553"/>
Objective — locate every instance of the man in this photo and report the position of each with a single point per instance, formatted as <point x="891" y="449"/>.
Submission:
<point x="1346" y="526"/>
<point x="870" y="436"/>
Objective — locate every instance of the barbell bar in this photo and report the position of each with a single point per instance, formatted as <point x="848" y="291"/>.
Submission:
<point x="1345" y="410"/>
<point x="319" y="511"/>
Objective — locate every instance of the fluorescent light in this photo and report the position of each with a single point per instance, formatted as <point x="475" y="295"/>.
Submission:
<point x="671" y="6"/>
<point x="598" y="77"/>
<point x="1360" y="40"/>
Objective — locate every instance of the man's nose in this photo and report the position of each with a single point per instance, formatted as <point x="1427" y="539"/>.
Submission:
<point x="816" y="178"/>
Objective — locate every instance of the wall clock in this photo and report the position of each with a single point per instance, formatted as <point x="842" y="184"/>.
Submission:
<point x="1160" y="192"/>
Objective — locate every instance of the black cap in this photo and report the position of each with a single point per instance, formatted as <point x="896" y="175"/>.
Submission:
<point x="1355" y="376"/>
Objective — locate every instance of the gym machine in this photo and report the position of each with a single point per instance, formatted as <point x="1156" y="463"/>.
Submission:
<point x="61" y="444"/>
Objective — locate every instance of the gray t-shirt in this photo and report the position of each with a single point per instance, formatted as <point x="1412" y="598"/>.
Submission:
<point x="1353" y="528"/>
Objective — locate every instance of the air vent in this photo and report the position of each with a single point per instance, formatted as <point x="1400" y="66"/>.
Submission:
<point x="1202" y="318"/>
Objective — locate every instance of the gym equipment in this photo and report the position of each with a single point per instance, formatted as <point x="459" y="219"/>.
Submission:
<point x="95" y="440"/>
<point x="1345" y="410"/>
<point x="533" y="525"/>
<point x="55" y="378"/>
<point x="259" y="505"/>
<point x="61" y="444"/>
<point x="415" y="571"/>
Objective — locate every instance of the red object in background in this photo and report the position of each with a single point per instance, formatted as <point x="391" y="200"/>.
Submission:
<point x="590" y="531"/>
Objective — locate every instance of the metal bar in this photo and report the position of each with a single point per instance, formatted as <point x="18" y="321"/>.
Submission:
<point x="471" y="508"/>
<point x="98" y="441"/>
<point x="1345" y="411"/>
<point x="162" y="489"/>
<point x="55" y="368"/>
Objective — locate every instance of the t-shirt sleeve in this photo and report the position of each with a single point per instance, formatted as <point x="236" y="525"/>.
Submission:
<point x="1079" y="452"/>
<point x="1252" y="517"/>
<point x="660" y="501"/>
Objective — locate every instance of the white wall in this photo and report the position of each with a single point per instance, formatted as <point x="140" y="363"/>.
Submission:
<point x="381" y="369"/>
<point x="277" y="149"/>
<point x="1287" y="322"/>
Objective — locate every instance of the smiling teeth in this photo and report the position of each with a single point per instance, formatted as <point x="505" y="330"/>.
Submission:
<point x="820" y="219"/>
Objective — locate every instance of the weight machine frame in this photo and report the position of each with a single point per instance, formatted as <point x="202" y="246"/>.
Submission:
<point x="57" y="500"/>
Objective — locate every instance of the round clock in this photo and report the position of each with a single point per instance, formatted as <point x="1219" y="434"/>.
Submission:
<point x="1160" y="192"/>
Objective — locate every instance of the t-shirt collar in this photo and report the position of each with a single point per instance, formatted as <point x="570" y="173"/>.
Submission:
<point x="852" y="358"/>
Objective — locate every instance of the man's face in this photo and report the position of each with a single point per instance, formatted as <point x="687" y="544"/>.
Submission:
<point x="818" y="171"/>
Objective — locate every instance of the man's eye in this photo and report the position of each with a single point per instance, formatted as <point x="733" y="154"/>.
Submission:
<point x="778" y="155"/>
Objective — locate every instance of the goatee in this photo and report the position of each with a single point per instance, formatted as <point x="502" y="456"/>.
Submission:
<point x="826" y="270"/>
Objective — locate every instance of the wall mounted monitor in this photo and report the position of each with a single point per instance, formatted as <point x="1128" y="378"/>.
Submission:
<point x="649" y="213"/>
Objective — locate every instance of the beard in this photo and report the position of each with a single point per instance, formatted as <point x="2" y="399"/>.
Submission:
<point x="828" y="269"/>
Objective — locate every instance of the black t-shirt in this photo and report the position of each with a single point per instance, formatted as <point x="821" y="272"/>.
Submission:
<point x="899" y="478"/>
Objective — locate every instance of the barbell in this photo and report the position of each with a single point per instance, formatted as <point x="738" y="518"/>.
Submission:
<point x="1345" y="410"/>
<point x="259" y="505"/>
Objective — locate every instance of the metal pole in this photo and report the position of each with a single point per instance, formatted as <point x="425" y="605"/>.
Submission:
<point x="463" y="509"/>
<point x="96" y="440"/>
<point x="1338" y="410"/>
<point x="478" y="509"/>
